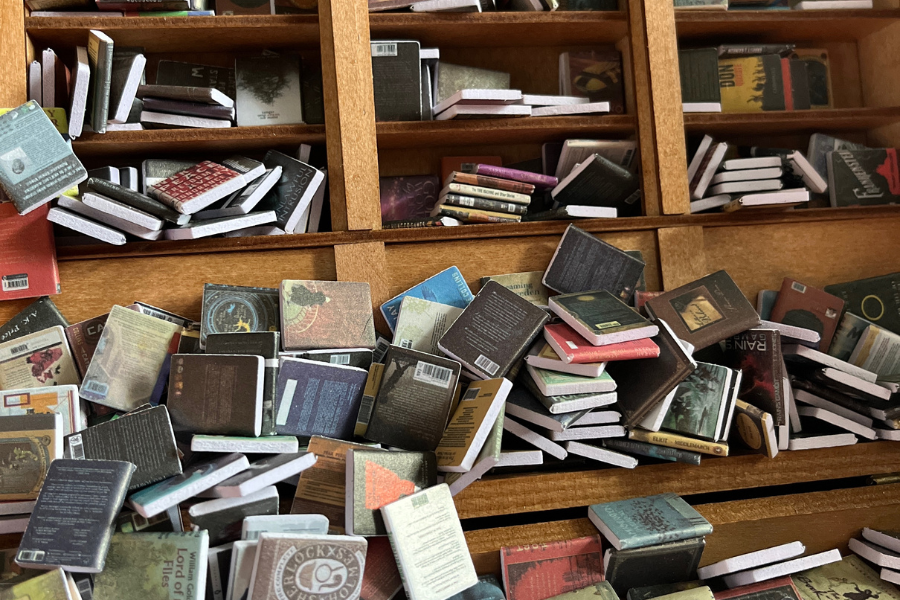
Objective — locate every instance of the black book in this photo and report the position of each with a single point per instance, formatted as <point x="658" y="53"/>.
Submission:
<point x="598" y="181"/>
<point x="311" y="92"/>
<point x="800" y="92"/>
<point x="361" y="358"/>
<point x="876" y="299"/>
<point x="863" y="177"/>
<point x="259" y="343"/>
<point x="136" y="200"/>
<point x="74" y="516"/>
<point x="234" y="309"/>
<point x="37" y="316"/>
<point x="142" y="437"/>
<point x="493" y="332"/>
<point x="191" y="109"/>
<point x="583" y="262"/>
<point x="170" y="72"/>
<point x="294" y="191"/>
<point x="644" y="383"/>
<point x="652" y="565"/>
<point x="223" y="517"/>
<point x="699" y="70"/>
<point x="413" y="403"/>
<point x="396" y="79"/>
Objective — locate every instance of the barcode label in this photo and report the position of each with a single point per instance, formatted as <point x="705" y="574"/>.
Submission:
<point x="339" y="359"/>
<point x="384" y="49"/>
<point x="433" y="374"/>
<point x="489" y="366"/>
<point x="30" y="555"/>
<point x="471" y="394"/>
<point x="15" y="282"/>
<point x="365" y="410"/>
<point x="76" y="447"/>
<point x="404" y="343"/>
<point x="18" y="349"/>
<point x="798" y="287"/>
<point x="95" y="387"/>
<point x="381" y="348"/>
<point x="572" y="344"/>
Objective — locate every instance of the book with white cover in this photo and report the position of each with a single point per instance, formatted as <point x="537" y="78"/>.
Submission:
<point x="875" y="554"/>
<point x="124" y="127"/>
<point x="838" y="421"/>
<point x="603" y="455"/>
<point x="814" y="441"/>
<point x="128" y="176"/>
<point x="791" y="334"/>
<point x="243" y="556"/>
<point x="14" y="524"/>
<point x="783" y="199"/>
<point x="524" y="406"/>
<point x="535" y="439"/>
<point x="81" y="81"/>
<point x="48" y="79"/>
<point x="575" y="152"/>
<point x="484" y="111"/>
<point x="220" y="504"/>
<point x="747" y="175"/>
<point x="242" y="202"/>
<point x="576" y="211"/>
<point x="17" y="507"/>
<point x="752" y="560"/>
<point x="547" y="100"/>
<point x="710" y="203"/>
<point x="701" y="107"/>
<point x="122" y="211"/>
<point x="891" y="541"/>
<point x="35" y="82"/>
<point x="598" y="417"/>
<point x="591" y="108"/>
<point x="158" y="120"/>
<point x="79" y="207"/>
<point x="813" y="400"/>
<point x="478" y="97"/>
<point x="272" y="444"/>
<point x="891" y="435"/>
<point x="891" y="576"/>
<point x="757" y="162"/>
<point x="781" y="569"/>
<point x="256" y="231"/>
<point x="805" y="355"/>
<point x="697" y="159"/>
<point x="86" y="226"/>
<point x="866" y="388"/>
<point x="429" y="544"/>
<point x="261" y="474"/>
<point x="744" y="187"/>
<point x="200" y="229"/>
<point x="591" y="432"/>
<point x="519" y="458"/>
<point x="127" y="72"/>
<point x="293" y="524"/>
<point x="811" y="178"/>
<point x="547" y="358"/>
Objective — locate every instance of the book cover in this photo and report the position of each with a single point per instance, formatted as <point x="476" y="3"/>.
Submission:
<point x="295" y="524"/>
<point x="37" y="360"/>
<point x="311" y="92"/>
<point x="28" y="266"/>
<point x="100" y="57"/>
<point x="223" y="518"/>
<point x="705" y="311"/>
<point x="527" y="285"/>
<point x="877" y="299"/>
<point x="243" y="556"/>
<point x="321" y="488"/>
<point x="583" y="262"/>
<point x="878" y="351"/>
<point x="268" y="90"/>
<point x="326" y="314"/>
<point x="485" y="181"/>
<point x="453" y="202"/>
<point x="450" y="78"/>
<point x="574" y="349"/>
<point x="289" y="566"/>
<point x="757" y="354"/>
<point x="61" y="399"/>
<point x="652" y="565"/>
<point x="270" y="444"/>
<point x="752" y="84"/>
<point x="408" y="197"/>
<point x="471" y="424"/>
<point x="756" y="428"/>
<point x="429" y="544"/>
<point x="446" y="287"/>
<point x="349" y="357"/>
<point x="540" y="571"/>
<point x="488" y="458"/>
<point x="396" y="78"/>
<point x="422" y="323"/>
<point x="805" y="306"/>
<point x="652" y="451"/>
<point x="216" y="394"/>
<point x="413" y="403"/>
<point x="172" y="566"/>
<point x="674" y="440"/>
<point x="125" y="75"/>
<point x="136" y="200"/>
<point x="171" y="72"/>
<point x="52" y="585"/>
<point x="467" y="164"/>
<point x="376" y="478"/>
<point x="197" y="187"/>
<point x="83" y="338"/>
<point x="699" y="72"/>
<point x="598" y="181"/>
<point x="601" y="318"/>
<point x="74" y="516"/>
<point x="128" y="359"/>
<point x="641" y="522"/>
<point x="494" y="332"/>
<point x="143" y="438"/>
<point x="317" y="398"/>
<point x="37" y="316"/>
<point x="700" y="403"/>
<point x="263" y="473"/>
<point x="28" y="445"/>
<point x="863" y="177"/>
<point x="238" y="309"/>
<point x="593" y="74"/>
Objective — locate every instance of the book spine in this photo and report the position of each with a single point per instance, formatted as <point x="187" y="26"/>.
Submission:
<point x="477" y="216"/>
<point x="661" y="438"/>
<point x="483" y="204"/>
<point x="411" y="223"/>
<point x="484" y="192"/>
<point x="652" y="451"/>
<point x="591" y="355"/>
<point x="516" y="175"/>
<point x="516" y="187"/>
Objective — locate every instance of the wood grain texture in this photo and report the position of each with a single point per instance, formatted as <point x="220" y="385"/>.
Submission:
<point x="682" y="258"/>
<point x="769" y="26"/>
<point x="806" y="121"/>
<point x="874" y="62"/>
<point x="637" y="62"/>
<point x="366" y="262"/>
<point x="13" y="79"/>
<point x="349" y="115"/>
<point x="548" y="491"/>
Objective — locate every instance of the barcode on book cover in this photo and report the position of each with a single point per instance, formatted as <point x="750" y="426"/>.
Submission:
<point x="95" y="387"/>
<point x="486" y="364"/>
<point x="381" y="348"/>
<point x="471" y="394"/>
<point x="404" y="343"/>
<point x="384" y="49"/>
<point x="798" y="287"/>
<point x="30" y="555"/>
<point x="433" y="374"/>
<point x="339" y="359"/>
<point x="18" y="349"/>
<point x="76" y="447"/>
<point x="15" y="282"/>
<point x="365" y="410"/>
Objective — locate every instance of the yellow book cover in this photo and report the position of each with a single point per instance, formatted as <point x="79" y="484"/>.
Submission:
<point x="52" y="585"/>
<point x="849" y="578"/>
<point x="751" y="84"/>
<point x="699" y="593"/>
<point x="470" y="424"/>
<point x="370" y="392"/>
<point x="671" y="440"/>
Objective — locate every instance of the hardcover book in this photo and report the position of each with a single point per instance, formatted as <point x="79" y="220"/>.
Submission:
<point x="170" y="72"/>
<point x="705" y="311"/>
<point x="652" y="565"/>
<point x="237" y="309"/>
<point x="488" y="458"/>
<point x="757" y="353"/>
<point x="143" y="438"/>
<point x="674" y="440"/>
<point x="223" y="518"/>
<point x="804" y="306"/>
<point x="652" y="451"/>
<point x="598" y="181"/>
<point x="173" y="566"/>
<point x="396" y="77"/>
<point x="874" y="299"/>
<point x="37" y="316"/>
<point x="756" y="428"/>
<point x="326" y="314"/>
<point x="317" y="398"/>
<point x="574" y="349"/>
<point x="701" y="404"/>
<point x="494" y="332"/>
<point x="752" y="84"/>
<point x="381" y="580"/>
<point x="540" y="571"/>
<point x="100" y="57"/>
<point x="25" y="274"/>
<point x="37" y="360"/>
<point x="422" y="323"/>
<point x="699" y="71"/>
<point x="61" y="399"/>
<point x="130" y="354"/>
<point x="446" y="287"/>
<point x="268" y="90"/>
<point x="471" y="424"/>
<point x="602" y="318"/>
<point x="486" y="181"/>
<point x="74" y="516"/>
<point x="195" y="188"/>
<point x="413" y="403"/>
<point x="863" y="177"/>
<point x="641" y="522"/>
<point x="216" y="394"/>
<point x="29" y="444"/>
<point x="527" y="285"/>
<point x="596" y="75"/>
<point x="408" y="197"/>
<point x="376" y="478"/>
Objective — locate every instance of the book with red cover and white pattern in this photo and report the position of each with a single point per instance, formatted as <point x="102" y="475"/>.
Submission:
<point x="574" y="349"/>
<point x="197" y="187"/>
<point x="27" y="254"/>
<point x="542" y="571"/>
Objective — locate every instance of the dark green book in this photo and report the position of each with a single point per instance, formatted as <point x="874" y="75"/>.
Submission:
<point x="699" y="408"/>
<point x="653" y="565"/>
<point x="699" y="71"/>
<point x="37" y="316"/>
<point x="601" y="318"/>
<point x="876" y="299"/>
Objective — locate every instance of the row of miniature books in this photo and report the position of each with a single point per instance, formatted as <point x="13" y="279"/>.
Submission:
<point x="168" y="8"/>
<point x="728" y="78"/>
<point x="411" y="83"/>
<point x="773" y="4"/>
<point x="491" y="5"/>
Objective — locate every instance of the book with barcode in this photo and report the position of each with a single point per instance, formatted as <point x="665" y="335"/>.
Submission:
<point x="75" y="514"/>
<point x="413" y="403"/>
<point x="234" y="309"/>
<point x="37" y="360"/>
<point x="376" y="478"/>
<point x="32" y="273"/>
<point x="30" y="444"/>
<point x="470" y="424"/>
<point x="360" y="358"/>
<point x="367" y="404"/>
<point x="494" y="331"/>
<point x="195" y="188"/>
<point x="446" y="287"/>
<point x="641" y="522"/>
<point x="37" y="316"/>
<point x="143" y="438"/>
<point x="317" y="398"/>
<point x="422" y="323"/>
<point x="396" y="77"/>
<point x="62" y="399"/>
<point x="326" y="314"/>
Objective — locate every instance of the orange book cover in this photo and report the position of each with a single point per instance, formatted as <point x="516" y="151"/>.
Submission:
<point x="542" y="571"/>
<point x="27" y="254"/>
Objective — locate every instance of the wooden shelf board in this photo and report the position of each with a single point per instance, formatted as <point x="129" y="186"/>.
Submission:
<point x="501" y="28"/>
<point x="781" y="25"/>
<point x="161" y="34"/>
<point x="776" y="122"/>
<point x="549" y="491"/>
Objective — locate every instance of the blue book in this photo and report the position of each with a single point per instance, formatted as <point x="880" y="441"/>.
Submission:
<point x="649" y="521"/>
<point x="447" y="287"/>
<point x="317" y="398"/>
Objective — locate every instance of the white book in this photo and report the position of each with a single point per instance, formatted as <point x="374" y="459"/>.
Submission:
<point x="603" y="455"/>
<point x="875" y="554"/>
<point x="166" y="120"/>
<point x="261" y="474"/>
<point x="318" y="202"/>
<point x="484" y="111"/>
<point x="86" y="226"/>
<point x="242" y="202"/>
<point x="35" y="82"/>
<point x="743" y="187"/>
<point x="591" y="108"/>
<point x="832" y="5"/>
<point x="697" y="159"/>
<point x="782" y="198"/>
<point x="593" y="432"/>
<point x="524" y="406"/>
<point x="752" y="560"/>
<point x="81" y="82"/>
<point x="243" y="556"/>
<point x="128" y="176"/>
<point x="891" y="542"/>
<point x="805" y="354"/>
<point x="757" y="162"/>
<point x="219" y="504"/>
<point x="272" y="444"/>
<point x="79" y="207"/>
<point x="576" y="385"/>
<point x="838" y="421"/>
<point x="122" y="211"/>
<point x="747" y="175"/>
<point x="518" y="458"/>
<point x="577" y="211"/>
<point x="814" y="442"/>
<point x="17" y="507"/>
<point x="256" y="231"/>
<point x="48" y="79"/>
<point x="575" y="152"/>
<point x="811" y="178"/>
<point x="291" y="524"/>
<point x="200" y="229"/>
<point x="701" y="107"/>
<point x="813" y="400"/>
<point x="476" y="97"/>
<point x="447" y="6"/>
<point x="598" y="417"/>
<point x="487" y="459"/>
<point x="125" y="85"/>
<point x="535" y="439"/>
<point x="891" y="435"/>
<point x="14" y="524"/>
<point x="704" y="204"/>
<point x="429" y="544"/>
<point x="429" y="53"/>
<point x="792" y="332"/>
<point x="890" y="576"/>
<point x="781" y="569"/>
<point x="124" y="127"/>
<point x="547" y="100"/>
<point x="857" y="383"/>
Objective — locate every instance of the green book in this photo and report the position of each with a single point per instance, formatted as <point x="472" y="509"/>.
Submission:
<point x="154" y="566"/>
<point x="701" y="403"/>
<point x="100" y="56"/>
<point x="553" y="383"/>
<point x="566" y="403"/>
<point x="598" y="591"/>
<point x="642" y="522"/>
<point x="699" y="69"/>
<point x="849" y="578"/>
<point x="601" y="318"/>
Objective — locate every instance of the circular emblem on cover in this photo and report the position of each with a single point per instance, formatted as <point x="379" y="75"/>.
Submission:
<point x="233" y="314"/>
<point x="319" y="570"/>
<point x="748" y="431"/>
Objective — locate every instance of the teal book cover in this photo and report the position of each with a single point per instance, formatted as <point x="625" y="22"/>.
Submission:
<point x="641" y="522"/>
<point x="447" y="287"/>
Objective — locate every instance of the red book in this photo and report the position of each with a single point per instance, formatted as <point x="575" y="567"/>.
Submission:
<point x="541" y="571"/>
<point x="27" y="254"/>
<point x="805" y="306"/>
<point x="572" y="348"/>
<point x="381" y="579"/>
<point x="196" y="188"/>
<point x="788" y="593"/>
